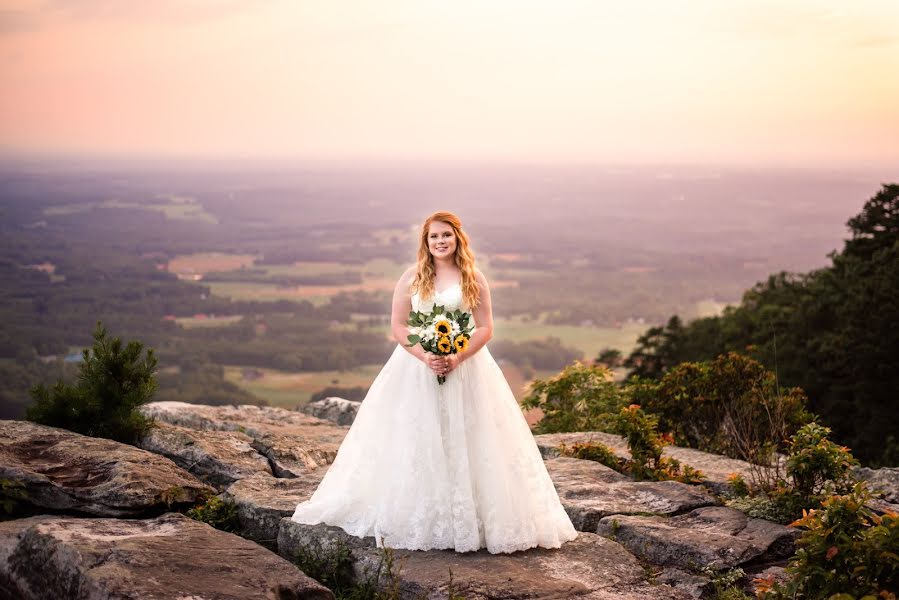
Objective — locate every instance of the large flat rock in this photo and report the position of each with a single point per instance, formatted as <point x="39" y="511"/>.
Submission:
<point x="715" y="467"/>
<point x="292" y="442"/>
<point x="217" y="457"/>
<point x="714" y="536"/>
<point x="66" y="471"/>
<point x="171" y="556"/>
<point x="589" y="567"/>
<point x="262" y="501"/>
<point x="336" y="410"/>
<point x="590" y="491"/>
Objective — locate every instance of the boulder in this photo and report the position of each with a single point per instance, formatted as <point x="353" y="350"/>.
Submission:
<point x="65" y="471"/>
<point x="217" y="457"/>
<point x="589" y="568"/>
<point x="883" y="482"/>
<point x="262" y="501"/>
<point x="715" y="536"/>
<point x="590" y="491"/>
<point x="715" y="467"/>
<point x="171" y="556"/>
<point x="292" y="442"/>
<point x="336" y="410"/>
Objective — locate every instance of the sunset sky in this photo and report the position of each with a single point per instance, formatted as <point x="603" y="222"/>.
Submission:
<point x="804" y="82"/>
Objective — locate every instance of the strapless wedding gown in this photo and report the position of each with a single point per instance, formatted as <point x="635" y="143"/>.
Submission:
<point x="441" y="466"/>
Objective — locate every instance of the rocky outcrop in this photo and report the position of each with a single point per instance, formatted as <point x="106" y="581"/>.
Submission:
<point x="715" y="467"/>
<point x="292" y="442"/>
<point x="716" y="536"/>
<point x="336" y="410"/>
<point x="590" y="491"/>
<point x="633" y="535"/>
<point x="64" y="471"/>
<point x="218" y="457"/>
<point x="262" y="501"/>
<point x="589" y="567"/>
<point x="171" y="556"/>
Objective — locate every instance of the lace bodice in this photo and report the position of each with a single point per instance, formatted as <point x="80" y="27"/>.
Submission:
<point x="450" y="298"/>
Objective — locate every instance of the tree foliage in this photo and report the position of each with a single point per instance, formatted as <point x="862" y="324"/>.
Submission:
<point x="730" y="405"/>
<point x="580" y="398"/>
<point x="831" y="331"/>
<point x="113" y="381"/>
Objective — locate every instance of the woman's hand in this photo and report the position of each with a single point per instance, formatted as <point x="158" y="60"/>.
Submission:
<point x="436" y="363"/>
<point x="452" y="361"/>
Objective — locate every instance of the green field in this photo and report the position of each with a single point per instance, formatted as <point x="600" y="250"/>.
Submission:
<point x="193" y="322"/>
<point x="180" y="208"/>
<point x="589" y="340"/>
<point x="289" y="390"/>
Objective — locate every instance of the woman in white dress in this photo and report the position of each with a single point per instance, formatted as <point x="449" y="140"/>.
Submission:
<point x="427" y="466"/>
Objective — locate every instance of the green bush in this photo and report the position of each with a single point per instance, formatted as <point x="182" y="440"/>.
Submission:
<point x="815" y="469"/>
<point x="730" y="405"/>
<point x="817" y="465"/>
<point x="778" y="505"/>
<point x="112" y="383"/>
<point x="594" y="451"/>
<point x="219" y="513"/>
<point x="580" y="398"/>
<point x="645" y="445"/>
<point x="12" y="496"/>
<point x="726" y="584"/>
<point x="845" y="551"/>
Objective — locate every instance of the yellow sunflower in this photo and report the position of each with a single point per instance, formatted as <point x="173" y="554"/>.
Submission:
<point x="442" y="327"/>
<point x="443" y="344"/>
<point x="461" y="343"/>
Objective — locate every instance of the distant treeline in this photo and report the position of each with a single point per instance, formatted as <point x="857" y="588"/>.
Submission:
<point x="832" y="331"/>
<point x="547" y="353"/>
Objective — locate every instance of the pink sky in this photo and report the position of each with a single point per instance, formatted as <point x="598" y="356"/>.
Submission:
<point x="806" y="82"/>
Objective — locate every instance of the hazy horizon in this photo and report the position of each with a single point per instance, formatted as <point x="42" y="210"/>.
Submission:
<point x="755" y="84"/>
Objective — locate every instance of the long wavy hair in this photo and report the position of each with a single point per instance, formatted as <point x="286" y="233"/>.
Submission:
<point x="464" y="258"/>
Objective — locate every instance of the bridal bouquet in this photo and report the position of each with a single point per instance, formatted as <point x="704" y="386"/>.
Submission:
<point x="440" y="332"/>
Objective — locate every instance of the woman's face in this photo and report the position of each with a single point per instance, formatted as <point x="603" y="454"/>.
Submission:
<point x="441" y="239"/>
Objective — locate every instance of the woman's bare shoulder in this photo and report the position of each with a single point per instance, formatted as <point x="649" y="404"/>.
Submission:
<point x="407" y="277"/>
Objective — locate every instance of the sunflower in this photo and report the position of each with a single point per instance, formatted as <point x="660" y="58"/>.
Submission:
<point x="461" y="343"/>
<point x="444" y="345"/>
<point x="442" y="327"/>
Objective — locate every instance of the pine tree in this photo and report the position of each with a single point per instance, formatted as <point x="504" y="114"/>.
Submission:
<point x="112" y="383"/>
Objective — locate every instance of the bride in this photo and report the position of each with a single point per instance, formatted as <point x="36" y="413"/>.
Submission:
<point x="427" y="466"/>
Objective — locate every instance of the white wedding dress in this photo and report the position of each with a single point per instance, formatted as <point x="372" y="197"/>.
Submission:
<point x="441" y="466"/>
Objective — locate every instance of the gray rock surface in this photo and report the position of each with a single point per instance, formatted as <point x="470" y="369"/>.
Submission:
<point x="691" y="583"/>
<point x="63" y="470"/>
<point x="884" y="482"/>
<point x="715" y="467"/>
<point x="590" y="491"/>
<point x="171" y="556"/>
<point x="217" y="457"/>
<point x="262" y="501"/>
<point x="589" y="568"/>
<point x="334" y="409"/>
<point x="716" y="536"/>
<point x="292" y="442"/>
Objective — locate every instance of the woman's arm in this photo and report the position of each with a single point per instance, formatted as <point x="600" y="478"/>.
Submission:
<point x="483" y="318"/>
<point x="402" y="306"/>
